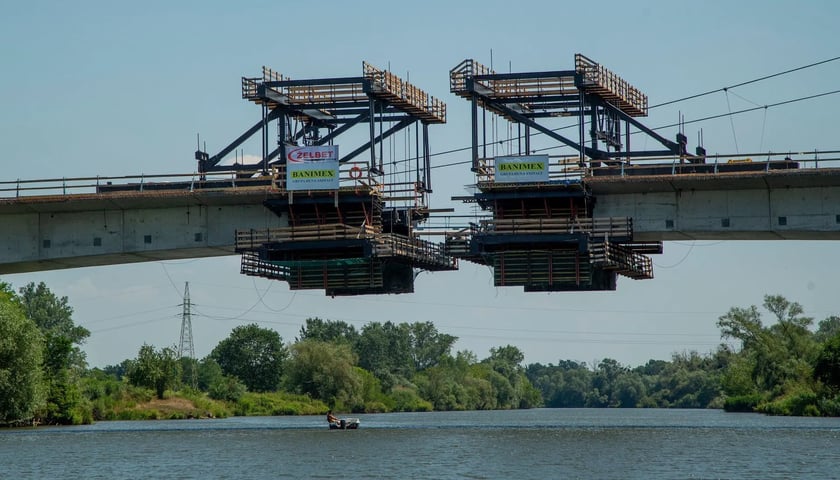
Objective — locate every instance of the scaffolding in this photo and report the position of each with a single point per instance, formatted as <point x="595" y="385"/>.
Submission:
<point x="355" y="236"/>
<point x="543" y="235"/>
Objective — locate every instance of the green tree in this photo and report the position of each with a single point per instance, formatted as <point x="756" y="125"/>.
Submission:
<point x="156" y="369"/>
<point x="328" y="331"/>
<point x="779" y="357"/>
<point x="254" y="355"/>
<point x="325" y="371"/>
<point x="565" y="385"/>
<point x="64" y="361"/>
<point x="827" y="366"/>
<point x="384" y="349"/>
<point x="209" y="372"/>
<point x="827" y="329"/>
<point x="21" y="346"/>
<point x="428" y="345"/>
<point x="603" y="383"/>
<point x="511" y="385"/>
<point x="444" y="385"/>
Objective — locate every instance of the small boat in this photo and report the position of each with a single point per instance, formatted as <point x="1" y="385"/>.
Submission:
<point x="345" y="424"/>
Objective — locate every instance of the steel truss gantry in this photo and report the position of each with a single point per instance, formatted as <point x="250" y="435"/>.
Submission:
<point x="317" y="111"/>
<point x="590" y="92"/>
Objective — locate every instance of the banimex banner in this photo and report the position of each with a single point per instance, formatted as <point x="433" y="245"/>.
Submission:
<point x="312" y="168"/>
<point x="521" y="169"/>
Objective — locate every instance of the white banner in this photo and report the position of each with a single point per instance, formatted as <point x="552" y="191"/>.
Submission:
<point x="522" y="169"/>
<point x="312" y="168"/>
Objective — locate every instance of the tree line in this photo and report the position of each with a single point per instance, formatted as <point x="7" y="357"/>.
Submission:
<point x="787" y="367"/>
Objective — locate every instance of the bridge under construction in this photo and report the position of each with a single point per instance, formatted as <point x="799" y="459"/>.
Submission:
<point x="354" y="221"/>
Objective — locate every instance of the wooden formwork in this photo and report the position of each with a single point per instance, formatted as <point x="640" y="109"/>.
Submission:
<point x="550" y="270"/>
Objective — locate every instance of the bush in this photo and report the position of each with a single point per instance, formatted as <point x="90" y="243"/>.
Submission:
<point x="799" y="403"/>
<point x="407" y="400"/>
<point x="278" y="403"/>
<point x="227" y="388"/>
<point x="829" y="407"/>
<point x="742" y="403"/>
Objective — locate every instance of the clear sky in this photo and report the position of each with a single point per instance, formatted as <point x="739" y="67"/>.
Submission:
<point x="122" y="88"/>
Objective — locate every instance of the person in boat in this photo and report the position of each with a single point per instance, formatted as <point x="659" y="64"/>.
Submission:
<point x="331" y="418"/>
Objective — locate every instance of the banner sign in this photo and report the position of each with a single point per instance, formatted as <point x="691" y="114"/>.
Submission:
<point x="522" y="169"/>
<point x="312" y="168"/>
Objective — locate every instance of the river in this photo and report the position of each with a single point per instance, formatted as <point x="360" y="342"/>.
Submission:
<point x="521" y="444"/>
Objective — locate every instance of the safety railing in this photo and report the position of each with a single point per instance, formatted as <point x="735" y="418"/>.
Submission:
<point x="254" y="238"/>
<point x="469" y="68"/>
<point x="623" y="260"/>
<point x="598" y="79"/>
<point x="425" y="252"/>
<point x="597" y="227"/>
<point x="352" y="175"/>
<point x="105" y="185"/>
<point x="403" y="94"/>
<point x="723" y="164"/>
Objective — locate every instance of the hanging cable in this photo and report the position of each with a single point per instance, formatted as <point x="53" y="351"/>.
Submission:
<point x="746" y="83"/>
<point x="731" y="121"/>
<point x="763" y="124"/>
<point x="738" y="112"/>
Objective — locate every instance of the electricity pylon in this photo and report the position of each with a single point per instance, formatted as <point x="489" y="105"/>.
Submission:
<point x="185" y="344"/>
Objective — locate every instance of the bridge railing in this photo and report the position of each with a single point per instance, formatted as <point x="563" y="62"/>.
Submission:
<point x="353" y="175"/>
<point x="714" y="164"/>
<point x="124" y="183"/>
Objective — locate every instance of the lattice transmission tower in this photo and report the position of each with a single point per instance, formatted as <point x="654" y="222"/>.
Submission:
<point x="185" y="344"/>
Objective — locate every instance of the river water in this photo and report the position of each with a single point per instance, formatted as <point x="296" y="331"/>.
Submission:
<point x="521" y="444"/>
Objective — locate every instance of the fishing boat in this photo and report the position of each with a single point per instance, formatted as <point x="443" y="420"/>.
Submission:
<point x="345" y="424"/>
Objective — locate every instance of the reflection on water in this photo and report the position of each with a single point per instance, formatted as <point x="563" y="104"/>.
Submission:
<point x="540" y="443"/>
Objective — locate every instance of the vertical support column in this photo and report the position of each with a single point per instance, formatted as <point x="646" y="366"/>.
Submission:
<point x="593" y="135"/>
<point x="550" y="267"/>
<point x="502" y="268"/>
<point x="417" y="153"/>
<point x="474" y="125"/>
<point x="265" y="138"/>
<point x="527" y="139"/>
<point x="371" y="120"/>
<point x="427" y="158"/>
<point x="281" y="125"/>
<point x="484" y="132"/>
<point x="627" y="140"/>
<point x="581" y="130"/>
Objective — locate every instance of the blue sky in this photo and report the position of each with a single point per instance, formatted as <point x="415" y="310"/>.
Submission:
<point x="119" y="88"/>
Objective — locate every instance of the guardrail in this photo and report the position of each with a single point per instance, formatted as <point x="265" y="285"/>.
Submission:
<point x="758" y="162"/>
<point x="601" y="227"/>
<point x="390" y="244"/>
<point x="351" y="175"/>
<point x="255" y="238"/>
<point x="567" y="167"/>
<point x="103" y="184"/>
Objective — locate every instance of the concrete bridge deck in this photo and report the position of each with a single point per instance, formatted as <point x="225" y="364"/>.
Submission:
<point x="77" y="225"/>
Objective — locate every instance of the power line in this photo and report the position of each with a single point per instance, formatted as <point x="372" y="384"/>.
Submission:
<point x="755" y="80"/>
<point x="771" y="105"/>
